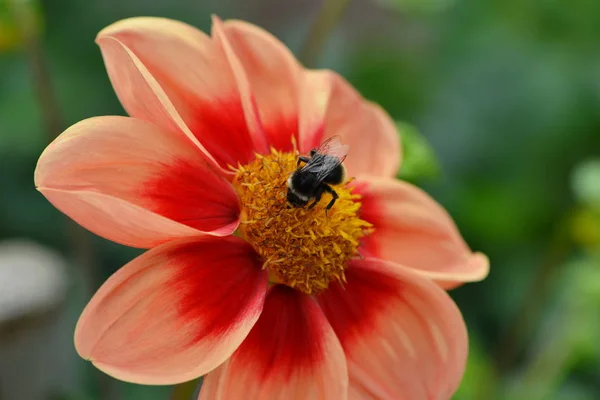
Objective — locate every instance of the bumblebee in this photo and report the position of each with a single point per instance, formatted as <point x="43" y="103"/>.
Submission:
<point x="322" y="168"/>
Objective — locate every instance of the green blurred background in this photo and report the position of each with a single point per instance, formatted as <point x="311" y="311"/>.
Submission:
<point x="499" y="103"/>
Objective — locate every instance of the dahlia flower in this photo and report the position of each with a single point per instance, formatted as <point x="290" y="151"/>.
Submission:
<point x="267" y="300"/>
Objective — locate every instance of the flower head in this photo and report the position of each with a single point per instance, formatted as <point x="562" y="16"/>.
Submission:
<point x="269" y="300"/>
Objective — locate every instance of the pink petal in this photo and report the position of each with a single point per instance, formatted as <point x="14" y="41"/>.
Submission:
<point x="175" y="312"/>
<point x="403" y="336"/>
<point x="187" y="69"/>
<point x="291" y="353"/>
<point x="273" y="74"/>
<point x="248" y="101"/>
<point x="131" y="182"/>
<point x="132" y="81"/>
<point x="330" y="106"/>
<point x="412" y="229"/>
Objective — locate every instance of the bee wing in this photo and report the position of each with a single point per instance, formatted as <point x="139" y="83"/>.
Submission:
<point x="334" y="147"/>
<point x="328" y="164"/>
<point x="328" y="156"/>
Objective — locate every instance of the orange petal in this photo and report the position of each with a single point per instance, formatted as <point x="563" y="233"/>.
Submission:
<point x="273" y="74"/>
<point x="330" y="106"/>
<point x="187" y="69"/>
<point x="413" y="230"/>
<point x="131" y="182"/>
<point x="403" y="336"/>
<point x="175" y="312"/>
<point x="291" y="353"/>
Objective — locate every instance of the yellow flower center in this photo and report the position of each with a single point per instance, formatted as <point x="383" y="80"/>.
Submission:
<point x="301" y="248"/>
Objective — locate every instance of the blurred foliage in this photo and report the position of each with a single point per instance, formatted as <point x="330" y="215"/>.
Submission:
<point x="568" y="338"/>
<point x="479" y="373"/>
<point x="416" y="6"/>
<point x="586" y="183"/>
<point x="18" y="18"/>
<point x="501" y="103"/>
<point x="419" y="161"/>
<point x="585" y="227"/>
<point x="9" y="33"/>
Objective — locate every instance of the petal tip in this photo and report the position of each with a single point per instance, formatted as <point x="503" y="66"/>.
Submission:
<point x="217" y="22"/>
<point x="126" y="24"/>
<point x="481" y="263"/>
<point x="111" y="29"/>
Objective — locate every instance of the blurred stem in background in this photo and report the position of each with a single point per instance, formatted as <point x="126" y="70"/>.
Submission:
<point x="330" y="14"/>
<point x="521" y="330"/>
<point x="568" y="335"/>
<point x="528" y="316"/>
<point x="27" y="17"/>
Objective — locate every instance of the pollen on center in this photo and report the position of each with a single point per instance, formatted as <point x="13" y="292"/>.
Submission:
<point x="303" y="248"/>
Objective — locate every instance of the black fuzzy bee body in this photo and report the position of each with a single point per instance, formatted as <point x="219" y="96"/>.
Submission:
<point x="321" y="169"/>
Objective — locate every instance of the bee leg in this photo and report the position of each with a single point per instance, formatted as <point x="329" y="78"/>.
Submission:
<point x="318" y="196"/>
<point x="302" y="159"/>
<point x="334" y="196"/>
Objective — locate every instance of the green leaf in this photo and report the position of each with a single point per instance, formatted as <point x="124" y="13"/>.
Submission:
<point x="418" y="158"/>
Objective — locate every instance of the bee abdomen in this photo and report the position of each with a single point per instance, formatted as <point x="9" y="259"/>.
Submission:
<point x="336" y="176"/>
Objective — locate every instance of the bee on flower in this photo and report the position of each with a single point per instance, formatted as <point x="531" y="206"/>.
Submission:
<point x="284" y="261"/>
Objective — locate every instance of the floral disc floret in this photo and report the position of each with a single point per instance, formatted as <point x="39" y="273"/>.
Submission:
<point x="303" y="248"/>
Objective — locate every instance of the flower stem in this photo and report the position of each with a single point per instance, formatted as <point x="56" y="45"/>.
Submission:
<point x="327" y="19"/>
